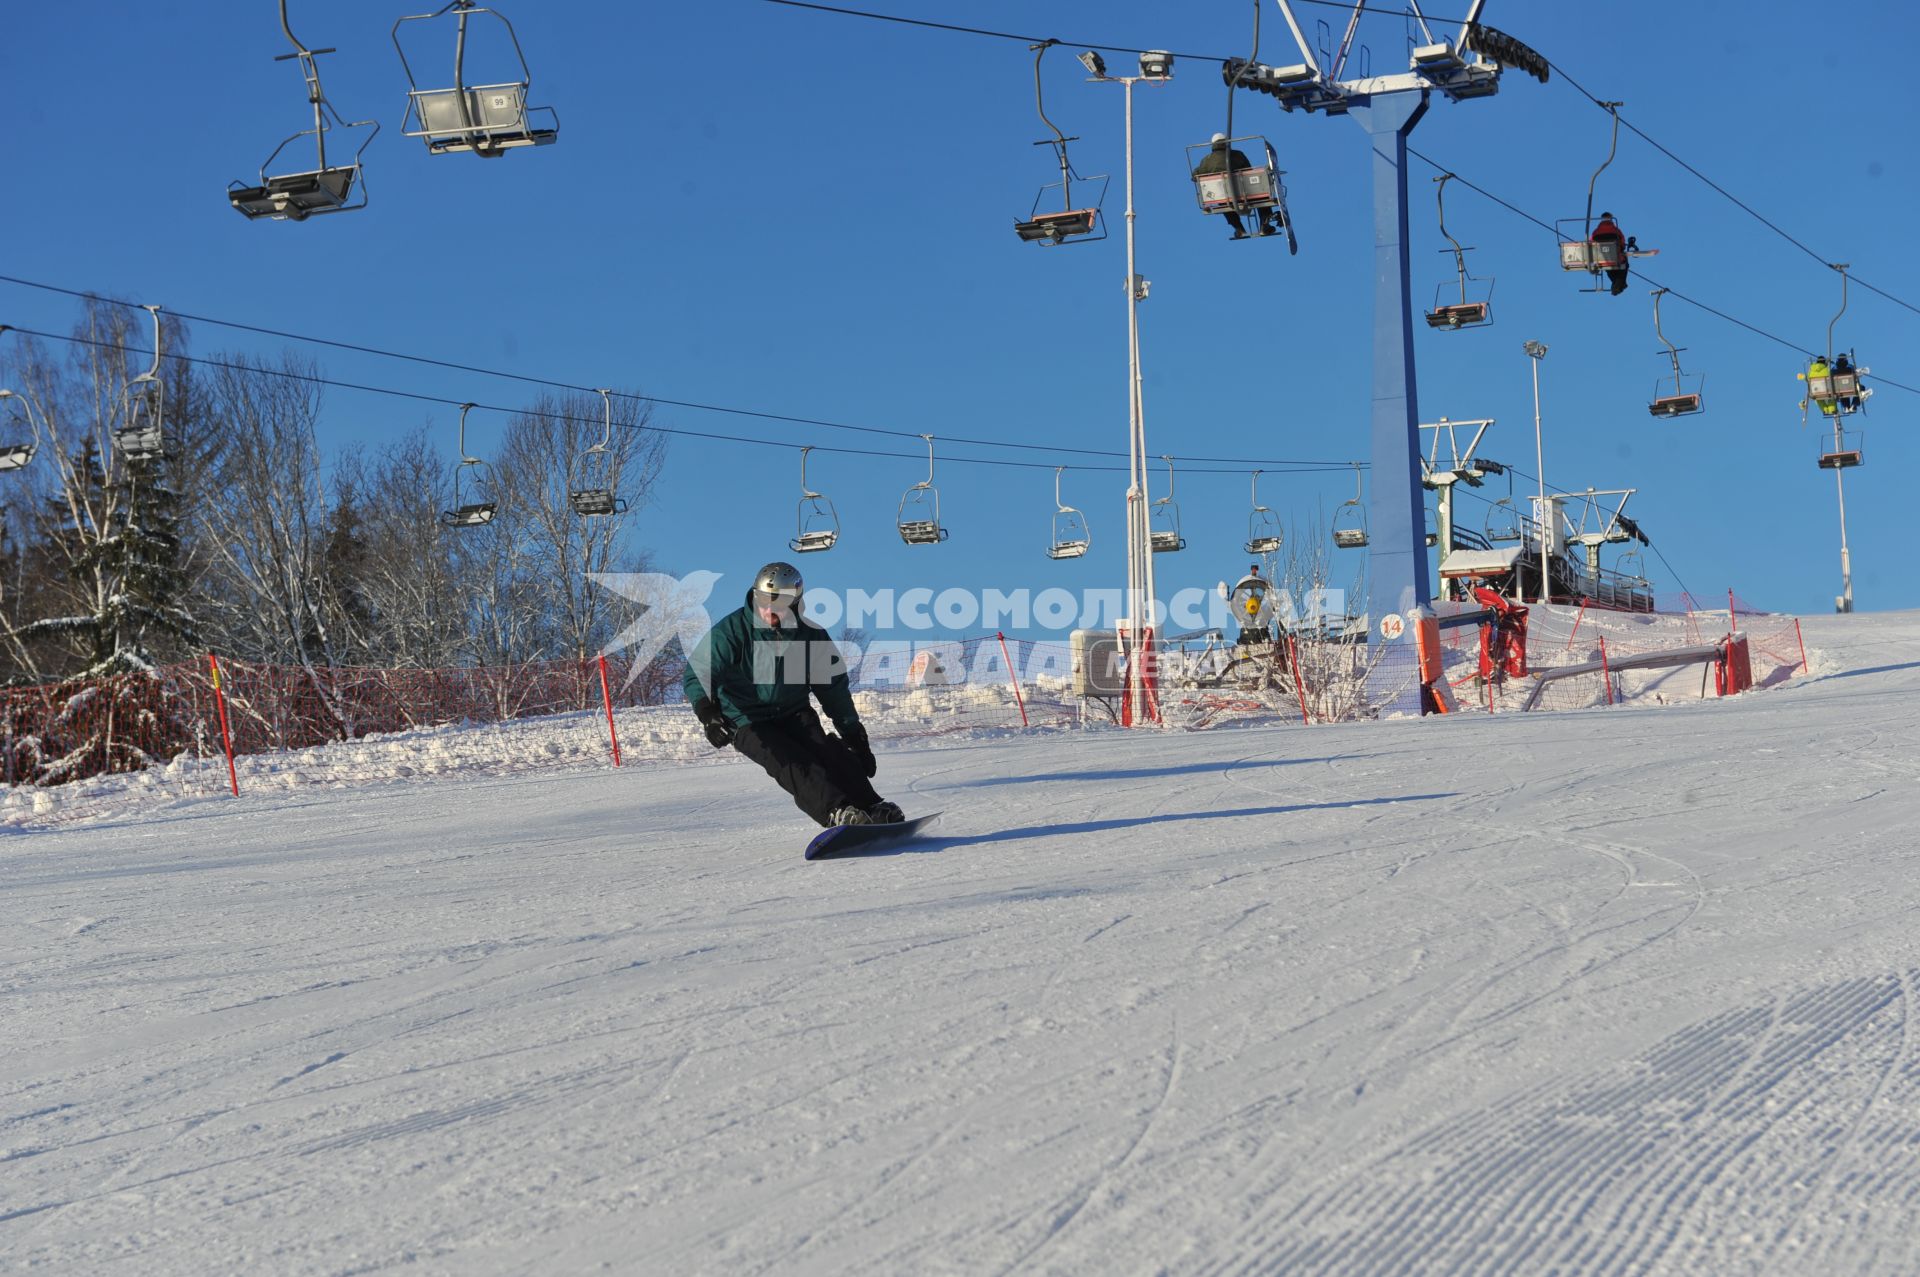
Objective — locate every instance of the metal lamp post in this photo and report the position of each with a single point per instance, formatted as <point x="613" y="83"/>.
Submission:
<point x="1536" y="351"/>
<point x="1156" y="67"/>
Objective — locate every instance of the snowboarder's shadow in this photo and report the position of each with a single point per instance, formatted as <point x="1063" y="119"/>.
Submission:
<point x="1138" y="773"/>
<point x="934" y="844"/>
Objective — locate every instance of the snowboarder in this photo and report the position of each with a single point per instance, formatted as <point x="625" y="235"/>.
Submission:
<point x="1220" y="158"/>
<point x="749" y="682"/>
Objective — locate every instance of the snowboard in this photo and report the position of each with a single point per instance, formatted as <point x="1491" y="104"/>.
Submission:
<point x="852" y="840"/>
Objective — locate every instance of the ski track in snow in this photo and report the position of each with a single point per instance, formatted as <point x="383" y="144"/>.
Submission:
<point x="1614" y="991"/>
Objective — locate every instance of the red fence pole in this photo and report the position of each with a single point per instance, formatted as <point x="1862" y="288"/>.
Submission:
<point x="606" y="697"/>
<point x="1732" y="622"/>
<point x="226" y="736"/>
<point x="1576" y="623"/>
<point x="1012" y="677"/>
<point x="1299" y="684"/>
<point x="1606" y="675"/>
<point x="1801" y="639"/>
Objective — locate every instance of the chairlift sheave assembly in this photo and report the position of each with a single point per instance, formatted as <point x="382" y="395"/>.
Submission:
<point x="1350" y="518"/>
<point x="817" y="525"/>
<point x="487" y="119"/>
<point x="1264" y="535"/>
<point x="1163" y="519"/>
<point x="475" y="492"/>
<point x="1475" y="307"/>
<point x="1069" y="537"/>
<point x="324" y="188"/>
<point x="140" y="434"/>
<point x="590" y="475"/>
<point x="1071" y="222"/>
<point x="919" y="517"/>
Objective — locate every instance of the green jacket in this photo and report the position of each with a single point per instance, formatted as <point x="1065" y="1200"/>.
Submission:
<point x="756" y="673"/>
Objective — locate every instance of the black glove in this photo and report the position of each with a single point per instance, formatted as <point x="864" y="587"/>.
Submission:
<point x="855" y="737"/>
<point x="719" y="730"/>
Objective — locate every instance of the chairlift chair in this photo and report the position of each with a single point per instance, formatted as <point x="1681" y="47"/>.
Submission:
<point x="919" y="517"/>
<point x="1685" y="398"/>
<point x="817" y="526"/>
<point x="1070" y="223"/>
<point x="1475" y="307"/>
<point x="1246" y="188"/>
<point x="1843" y="451"/>
<point x="1264" y="534"/>
<point x="1837" y="393"/>
<point x="1163" y="519"/>
<point x="1070" y="537"/>
<point x="1578" y="249"/>
<point x="1350" y="518"/>
<point x="13" y="456"/>
<point x="487" y="119"/>
<point x="325" y="188"/>
<point x="1503" y="521"/>
<point x="474" y="487"/>
<point x="590" y="475"/>
<point x="140" y="434"/>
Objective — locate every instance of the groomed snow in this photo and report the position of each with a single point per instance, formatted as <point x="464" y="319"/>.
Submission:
<point x="1613" y="991"/>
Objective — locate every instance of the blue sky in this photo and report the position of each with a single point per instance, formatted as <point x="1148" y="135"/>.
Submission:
<point x="800" y="213"/>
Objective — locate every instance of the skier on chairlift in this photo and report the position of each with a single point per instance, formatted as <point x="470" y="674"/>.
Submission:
<point x="750" y="681"/>
<point x="1842" y="367"/>
<point x="1220" y="159"/>
<point x="1607" y="231"/>
<point x="1819" y="367"/>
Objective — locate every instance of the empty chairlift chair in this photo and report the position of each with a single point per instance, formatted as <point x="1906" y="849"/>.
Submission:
<point x="1350" y="518"/>
<point x="1069" y="537"/>
<point x="919" y="518"/>
<point x="591" y="476"/>
<point x="1474" y="307"/>
<point x="140" y="434"/>
<point x="1264" y="535"/>
<point x="1503" y="522"/>
<point x="1070" y="222"/>
<point x="818" y="526"/>
<point x="487" y="119"/>
<point x="324" y="188"/>
<point x="1163" y="519"/>
<point x="474" y="489"/>
<point x="1683" y="397"/>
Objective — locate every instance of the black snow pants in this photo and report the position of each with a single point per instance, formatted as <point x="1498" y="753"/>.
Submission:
<point x="817" y="769"/>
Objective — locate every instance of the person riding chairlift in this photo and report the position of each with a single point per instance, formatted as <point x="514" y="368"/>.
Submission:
<point x="1819" y="367"/>
<point x="1843" y="366"/>
<point x="1606" y="230"/>
<point x="1220" y="159"/>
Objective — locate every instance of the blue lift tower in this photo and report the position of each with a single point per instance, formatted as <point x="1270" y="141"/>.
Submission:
<point x="1388" y="107"/>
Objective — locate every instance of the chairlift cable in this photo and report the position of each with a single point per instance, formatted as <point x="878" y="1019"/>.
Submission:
<point x="550" y="383"/>
<point x="1739" y="203"/>
<point x="508" y="409"/>
<point x="1797" y="347"/>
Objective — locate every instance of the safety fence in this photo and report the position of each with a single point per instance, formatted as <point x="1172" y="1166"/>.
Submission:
<point x="214" y="726"/>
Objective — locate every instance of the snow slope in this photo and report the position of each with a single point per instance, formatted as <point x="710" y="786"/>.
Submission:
<point x="1618" y="991"/>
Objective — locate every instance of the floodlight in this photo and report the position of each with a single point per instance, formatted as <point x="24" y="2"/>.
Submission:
<point x="1156" y="64"/>
<point x="1537" y="349"/>
<point x="1095" y="64"/>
